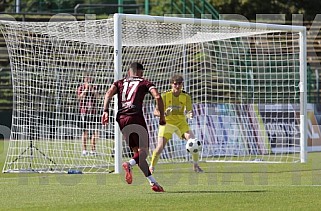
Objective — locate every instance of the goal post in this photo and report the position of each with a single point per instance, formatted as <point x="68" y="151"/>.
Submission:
<point x="247" y="82"/>
<point x="303" y="95"/>
<point x="118" y="75"/>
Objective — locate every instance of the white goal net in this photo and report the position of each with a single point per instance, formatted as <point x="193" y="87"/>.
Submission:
<point x="247" y="82"/>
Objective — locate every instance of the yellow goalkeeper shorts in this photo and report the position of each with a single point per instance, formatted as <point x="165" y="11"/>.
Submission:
<point x="169" y="129"/>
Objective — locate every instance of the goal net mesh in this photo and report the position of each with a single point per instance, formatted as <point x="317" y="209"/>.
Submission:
<point x="244" y="84"/>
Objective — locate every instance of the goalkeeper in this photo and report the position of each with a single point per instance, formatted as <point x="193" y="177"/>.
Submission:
<point x="178" y="107"/>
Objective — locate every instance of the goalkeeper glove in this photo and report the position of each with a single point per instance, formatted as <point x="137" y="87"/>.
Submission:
<point x="189" y="115"/>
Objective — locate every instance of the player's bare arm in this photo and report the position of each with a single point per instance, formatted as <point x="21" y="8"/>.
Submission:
<point x="159" y="106"/>
<point x="156" y="111"/>
<point x="82" y="94"/>
<point x="108" y="96"/>
<point x="95" y="91"/>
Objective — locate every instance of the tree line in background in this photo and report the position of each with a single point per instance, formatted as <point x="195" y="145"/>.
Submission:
<point x="250" y="8"/>
<point x="246" y="8"/>
<point x="55" y="6"/>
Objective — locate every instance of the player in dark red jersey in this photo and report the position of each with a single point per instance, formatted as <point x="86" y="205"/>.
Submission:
<point x="131" y="92"/>
<point x="87" y="96"/>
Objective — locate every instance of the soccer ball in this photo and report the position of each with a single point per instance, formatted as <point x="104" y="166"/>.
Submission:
<point x="193" y="146"/>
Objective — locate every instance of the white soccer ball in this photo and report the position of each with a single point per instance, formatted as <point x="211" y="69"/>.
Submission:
<point x="193" y="146"/>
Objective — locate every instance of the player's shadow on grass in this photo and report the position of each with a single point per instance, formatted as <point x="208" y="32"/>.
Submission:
<point x="218" y="191"/>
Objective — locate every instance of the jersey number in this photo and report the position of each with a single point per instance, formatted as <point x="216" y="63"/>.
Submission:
<point x="130" y="87"/>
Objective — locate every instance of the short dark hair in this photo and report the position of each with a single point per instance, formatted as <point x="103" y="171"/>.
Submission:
<point x="177" y="78"/>
<point x="136" y="66"/>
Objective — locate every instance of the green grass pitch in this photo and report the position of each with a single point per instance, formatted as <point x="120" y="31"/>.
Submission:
<point x="223" y="186"/>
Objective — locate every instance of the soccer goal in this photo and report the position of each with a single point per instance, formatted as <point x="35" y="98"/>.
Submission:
<point x="247" y="82"/>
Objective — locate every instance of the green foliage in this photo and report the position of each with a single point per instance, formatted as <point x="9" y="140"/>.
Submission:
<point x="52" y="6"/>
<point x="61" y="6"/>
<point x="250" y="8"/>
<point x="159" y="7"/>
<point x="247" y="8"/>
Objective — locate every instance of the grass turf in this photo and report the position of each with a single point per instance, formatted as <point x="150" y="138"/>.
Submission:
<point x="223" y="186"/>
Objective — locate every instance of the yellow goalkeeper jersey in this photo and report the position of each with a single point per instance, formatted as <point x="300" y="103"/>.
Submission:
<point x="179" y="105"/>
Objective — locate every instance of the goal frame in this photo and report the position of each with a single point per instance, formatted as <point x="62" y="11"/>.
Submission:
<point x="118" y="18"/>
<point x="282" y="51"/>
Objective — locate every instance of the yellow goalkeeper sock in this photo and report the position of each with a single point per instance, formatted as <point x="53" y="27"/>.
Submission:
<point x="195" y="157"/>
<point x="155" y="158"/>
